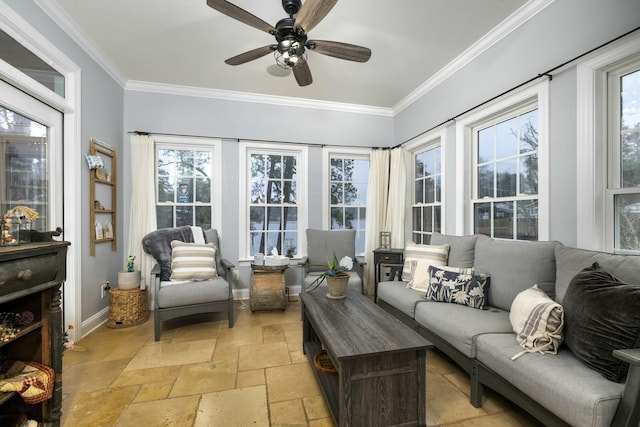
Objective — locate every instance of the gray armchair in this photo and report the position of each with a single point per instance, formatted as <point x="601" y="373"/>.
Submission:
<point x="323" y="243"/>
<point x="174" y="299"/>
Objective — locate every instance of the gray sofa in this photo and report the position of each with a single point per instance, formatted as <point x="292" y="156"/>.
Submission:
<point x="557" y="389"/>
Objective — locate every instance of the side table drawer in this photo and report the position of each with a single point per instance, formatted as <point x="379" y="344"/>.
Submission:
<point x="388" y="258"/>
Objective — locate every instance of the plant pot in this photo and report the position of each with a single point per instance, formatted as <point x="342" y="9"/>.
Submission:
<point x="337" y="285"/>
<point x="128" y="279"/>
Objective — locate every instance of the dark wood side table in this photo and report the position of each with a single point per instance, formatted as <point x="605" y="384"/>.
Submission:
<point x="386" y="257"/>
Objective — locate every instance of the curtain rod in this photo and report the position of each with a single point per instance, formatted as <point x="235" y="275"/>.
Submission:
<point x="312" y="144"/>
<point x="545" y="74"/>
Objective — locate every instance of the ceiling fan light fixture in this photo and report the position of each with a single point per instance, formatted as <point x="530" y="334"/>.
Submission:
<point x="287" y="60"/>
<point x="290" y="52"/>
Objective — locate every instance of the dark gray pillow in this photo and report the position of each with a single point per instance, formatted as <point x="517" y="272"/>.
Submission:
<point x="601" y="314"/>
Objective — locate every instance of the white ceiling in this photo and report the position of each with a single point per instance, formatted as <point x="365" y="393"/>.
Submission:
<point x="185" y="43"/>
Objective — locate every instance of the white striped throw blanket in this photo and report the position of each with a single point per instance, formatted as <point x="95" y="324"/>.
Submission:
<point x="537" y="321"/>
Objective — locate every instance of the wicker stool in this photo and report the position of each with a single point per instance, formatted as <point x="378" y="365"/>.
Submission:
<point x="127" y="307"/>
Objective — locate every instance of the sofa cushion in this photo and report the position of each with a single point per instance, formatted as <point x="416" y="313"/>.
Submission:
<point x="193" y="261"/>
<point x="602" y="315"/>
<point x="417" y="259"/>
<point x="560" y="383"/>
<point x="537" y="321"/>
<point x="458" y="286"/>
<point x="461" y="248"/>
<point x="515" y="266"/>
<point x="398" y="295"/>
<point x="459" y="325"/>
<point x="570" y="261"/>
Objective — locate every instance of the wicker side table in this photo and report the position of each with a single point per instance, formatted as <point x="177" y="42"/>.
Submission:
<point x="127" y="307"/>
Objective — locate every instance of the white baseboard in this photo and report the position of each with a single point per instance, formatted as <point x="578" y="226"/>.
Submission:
<point x="94" y="322"/>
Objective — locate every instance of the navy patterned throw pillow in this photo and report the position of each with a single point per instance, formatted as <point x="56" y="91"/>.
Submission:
<point x="458" y="286"/>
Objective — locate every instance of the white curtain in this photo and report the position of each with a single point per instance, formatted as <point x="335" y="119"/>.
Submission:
<point x="395" y="215"/>
<point x="377" y="192"/>
<point x="142" y="218"/>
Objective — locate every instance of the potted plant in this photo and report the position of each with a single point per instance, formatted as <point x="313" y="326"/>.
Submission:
<point x="336" y="276"/>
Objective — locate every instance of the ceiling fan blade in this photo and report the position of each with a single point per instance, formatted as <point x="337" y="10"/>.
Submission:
<point x="350" y="52"/>
<point x="312" y="12"/>
<point x="251" y="55"/>
<point x="303" y="74"/>
<point x="240" y="14"/>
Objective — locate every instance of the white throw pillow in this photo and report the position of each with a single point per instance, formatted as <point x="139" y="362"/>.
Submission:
<point x="193" y="261"/>
<point x="537" y="321"/>
<point x="417" y="259"/>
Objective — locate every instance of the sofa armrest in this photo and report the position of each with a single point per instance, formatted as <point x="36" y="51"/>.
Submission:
<point x="631" y="356"/>
<point x="628" y="413"/>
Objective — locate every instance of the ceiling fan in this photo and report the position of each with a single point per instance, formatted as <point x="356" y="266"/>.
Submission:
<point x="291" y="36"/>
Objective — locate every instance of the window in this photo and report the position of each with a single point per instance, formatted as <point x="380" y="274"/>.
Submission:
<point x="348" y="180"/>
<point x="504" y="153"/>
<point x="427" y="194"/>
<point x="505" y="203"/>
<point x="623" y="88"/>
<point x="605" y="200"/>
<point x="274" y="186"/>
<point x="24" y="60"/>
<point x="186" y="183"/>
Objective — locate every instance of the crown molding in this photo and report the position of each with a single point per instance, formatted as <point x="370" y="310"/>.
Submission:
<point x="59" y="16"/>
<point x="227" y="95"/>
<point x="502" y="30"/>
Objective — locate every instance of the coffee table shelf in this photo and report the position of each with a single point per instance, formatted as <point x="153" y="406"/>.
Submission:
<point x="380" y="361"/>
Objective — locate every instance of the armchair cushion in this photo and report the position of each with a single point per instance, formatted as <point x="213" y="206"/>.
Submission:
<point x="172" y="294"/>
<point x="193" y="261"/>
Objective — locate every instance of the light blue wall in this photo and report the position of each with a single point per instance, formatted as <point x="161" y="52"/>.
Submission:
<point x="101" y="117"/>
<point x="233" y="121"/>
<point x="560" y="33"/>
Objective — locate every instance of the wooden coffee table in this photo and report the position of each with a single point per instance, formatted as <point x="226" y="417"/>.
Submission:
<point x="380" y="362"/>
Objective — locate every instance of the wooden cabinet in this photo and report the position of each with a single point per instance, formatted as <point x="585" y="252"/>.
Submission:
<point x="30" y="280"/>
<point x="102" y="197"/>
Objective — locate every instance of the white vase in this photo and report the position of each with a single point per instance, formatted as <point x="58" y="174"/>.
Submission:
<point x="129" y="279"/>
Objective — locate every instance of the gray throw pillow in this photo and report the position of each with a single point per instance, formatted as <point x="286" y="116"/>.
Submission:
<point x="601" y="315"/>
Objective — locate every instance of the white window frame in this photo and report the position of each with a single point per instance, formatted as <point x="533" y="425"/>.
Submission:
<point x="329" y="153"/>
<point x="594" y="224"/>
<point x="532" y="96"/>
<point x="246" y="148"/>
<point x="414" y="147"/>
<point x="203" y="144"/>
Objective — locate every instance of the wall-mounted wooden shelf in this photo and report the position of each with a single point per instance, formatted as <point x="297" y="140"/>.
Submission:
<point x="104" y="214"/>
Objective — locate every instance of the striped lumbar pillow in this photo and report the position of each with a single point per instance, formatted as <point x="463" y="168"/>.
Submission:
<point x="417" y="259"/>
<point x="193" y="261"/>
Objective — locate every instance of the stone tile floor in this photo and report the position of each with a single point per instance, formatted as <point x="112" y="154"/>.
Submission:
<point x="201" y="373"/>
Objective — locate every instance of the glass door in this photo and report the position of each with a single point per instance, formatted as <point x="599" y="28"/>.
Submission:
<point x="30" y="157"/>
